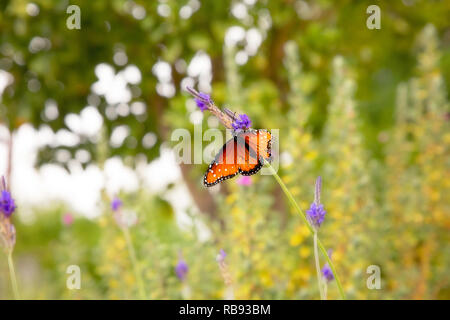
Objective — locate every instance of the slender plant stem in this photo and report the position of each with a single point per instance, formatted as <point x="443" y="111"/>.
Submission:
<point x="310" y="228"/>
<point x="12" y="274"/>
<point x="137" y="271"/>
<point x="316" y="258"/>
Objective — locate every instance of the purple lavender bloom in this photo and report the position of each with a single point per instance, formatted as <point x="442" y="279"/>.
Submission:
<point x="181" y="269"/>
<point x="116" y="204"/>
<point x="7" y="205"/>
<point x="316" y="212"/>
<point x="327" y="273"/>
<point x="221" y="256"/>
<point x="201" y="103"/>
<point x="242" y="123"/>
<point x="326" y="270"/>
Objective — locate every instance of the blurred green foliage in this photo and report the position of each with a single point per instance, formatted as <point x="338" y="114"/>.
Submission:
<point x="365" y="109"/>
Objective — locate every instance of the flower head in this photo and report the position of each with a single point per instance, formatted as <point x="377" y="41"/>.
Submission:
<point x="116" y="204"/>
<point x="221" y="256"/>
<point x="327" y="273"/>
<point x="7" y="204"/>
<point x="318" y="189"/>
<point x="7" y="207"/>
<point x="326" y="270"/>
<point x="316" y="212"/>
<point x="223" y="267"/>
<point x="67" y="219"/>
<point x="244" y="181"/>
<point x="242" y="123"/>
<point x="203" y="101"/>
<point x="181" y="269"/>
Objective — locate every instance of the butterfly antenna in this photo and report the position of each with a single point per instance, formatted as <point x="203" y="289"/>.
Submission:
<point x="230" y="113"/>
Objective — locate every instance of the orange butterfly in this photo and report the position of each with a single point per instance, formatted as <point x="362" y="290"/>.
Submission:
<point x="244" y="153"/>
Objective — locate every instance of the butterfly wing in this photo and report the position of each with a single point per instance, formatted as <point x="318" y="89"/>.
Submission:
<point x="261" y="141"/>
<point x="224" y="165"/>
<point x="247" y="157"/>
<point x="254" y="146"/>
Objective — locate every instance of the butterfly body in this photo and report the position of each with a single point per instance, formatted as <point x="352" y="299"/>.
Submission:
<point x="244" y="153"/>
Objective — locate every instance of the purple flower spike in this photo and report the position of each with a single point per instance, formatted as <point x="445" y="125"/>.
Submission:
<point x="181" y="269"/>
<point x="242" y="123"/>
<point x="316" y="212"/>
<point x="318" y="189"/>
<point x="116" y="204"/>
<point x="7" y="205"/>
<point x="327" y="273"/>
<point x="201" y="102"/>
<point x="326" y="270"/>
<point x="221" y="256"/>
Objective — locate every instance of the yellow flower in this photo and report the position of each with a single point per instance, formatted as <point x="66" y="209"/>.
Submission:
<point x="243" y="292"/>
<point x="304" y="251"/>
<point x="236" y="211"/>
<point x="266" y="278"/>
<point x="304" y="273"/>
<point x="295" y="240"/>
<point x="311" y="155"/>
<point x="299" y="235"/>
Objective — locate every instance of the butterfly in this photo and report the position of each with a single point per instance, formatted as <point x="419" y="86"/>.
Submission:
<point x="244" y="153"/>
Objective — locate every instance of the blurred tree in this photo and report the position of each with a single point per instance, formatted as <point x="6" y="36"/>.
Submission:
<point x="54" y="68"/>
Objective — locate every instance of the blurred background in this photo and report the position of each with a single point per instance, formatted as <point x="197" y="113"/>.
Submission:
<point x="86" y="115"/>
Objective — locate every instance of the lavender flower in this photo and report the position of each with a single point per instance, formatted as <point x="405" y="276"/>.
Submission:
<point x="203" y="101"/>
<point x="242" y="123"/>
<point x="181" y="269"/>
<point x="326" y="270"/>
<point x="316" y="212"/>
<point x="7" y="205"/>
<point x="327" y="273"/>
<point x="224" y="268"/>
<point x="116" y="204"/>
<point x="221" y="256"/>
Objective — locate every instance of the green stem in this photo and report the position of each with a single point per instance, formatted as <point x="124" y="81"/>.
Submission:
<point x="310" y="228"/>
<point x="316" y="258"/>
<point x="134" y="262"/>
<point x="12" y="274"/>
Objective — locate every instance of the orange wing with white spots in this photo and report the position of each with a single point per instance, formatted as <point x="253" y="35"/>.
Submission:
<point x="244" y="154"/>
<point x="224" y="165"/>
